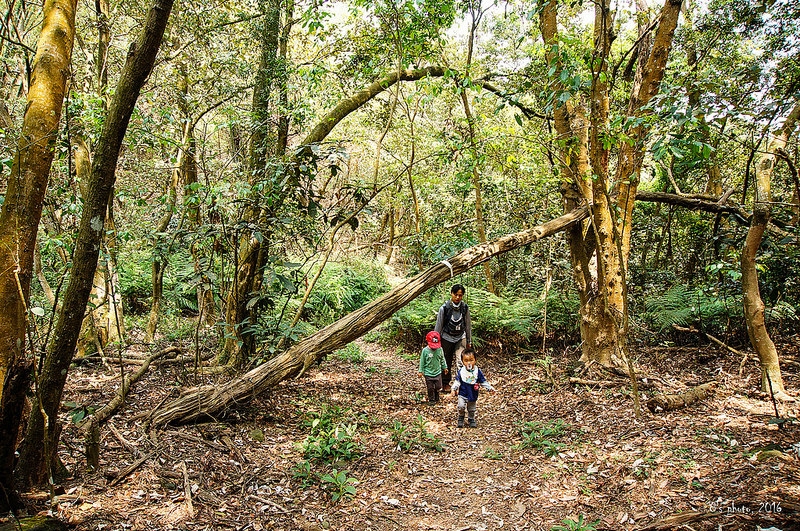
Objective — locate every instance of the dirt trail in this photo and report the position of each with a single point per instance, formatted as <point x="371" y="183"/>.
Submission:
<point x="587" y="456"/>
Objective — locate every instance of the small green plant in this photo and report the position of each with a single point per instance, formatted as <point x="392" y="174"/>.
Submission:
<point x="324" y="419"/>
<point x="491" y="453"/>
<point x="303" y="473"/>
<point x="78" y="412"/>
<point x="415" y="436"/>
<point x="573" y="525"/>
<point x="540" y="435"/>
<point x="351" y="353"/>
<point x="642" y="468"/>
<point x="551" y="448"/>
<point x="400" y="435"/>
<point x="336" y="443"/>
<point x="339" y="484"/>
<point x="408" y="356"/>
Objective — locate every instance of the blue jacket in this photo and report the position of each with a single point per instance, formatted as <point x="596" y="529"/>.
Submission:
<point x="469" y="382"/>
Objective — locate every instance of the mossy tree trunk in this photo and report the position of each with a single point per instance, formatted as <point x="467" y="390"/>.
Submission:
<point x="19" y="221"/>
<point x="41" y="437"/>
<point x="241" y="309"/>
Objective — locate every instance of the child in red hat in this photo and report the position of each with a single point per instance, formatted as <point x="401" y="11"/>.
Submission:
<point x="432" y="364"/>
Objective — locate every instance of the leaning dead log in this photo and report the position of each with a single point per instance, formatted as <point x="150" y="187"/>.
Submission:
<point x="209" y="400"/>
<point x="670" y="402"/>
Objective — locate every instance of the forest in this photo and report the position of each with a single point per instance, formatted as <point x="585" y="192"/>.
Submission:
<point x="227" y="228"/>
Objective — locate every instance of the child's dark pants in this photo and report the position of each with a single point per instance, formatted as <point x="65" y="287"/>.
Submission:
<point x="434" y="385"/>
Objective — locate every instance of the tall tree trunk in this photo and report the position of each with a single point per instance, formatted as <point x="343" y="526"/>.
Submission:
<point x="607" y="309"/>
<point x="771" y="379"/>
<point x="33" y="466"/>
<point x="200" y="254"/>
<point x="162" y="241"/>
<point x="103" y="323"/>
<point x="101" y="59"/>
<point x="241" y="312"/>
<point x="476" y="13"/>
<point x="20" y="215"/>
<point x="476" y="185"/>
<point x="600" y="253"/>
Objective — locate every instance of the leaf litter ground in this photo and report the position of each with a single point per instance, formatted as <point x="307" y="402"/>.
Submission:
<point x="583" y="456"/>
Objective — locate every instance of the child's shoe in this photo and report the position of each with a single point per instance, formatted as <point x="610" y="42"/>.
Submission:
<point x="472" y="423"/>
<point x="460" y="422"/>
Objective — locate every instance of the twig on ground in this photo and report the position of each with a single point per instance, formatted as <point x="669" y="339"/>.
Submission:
<point x="105" y="412"/>
<point x="192" y="438"/>
<point x="136" y="464"/>
<point x="187" y="489"/>
<point x="693" y="330"/>
<point x="265" y="501"/>
<point x="124" y="442"/>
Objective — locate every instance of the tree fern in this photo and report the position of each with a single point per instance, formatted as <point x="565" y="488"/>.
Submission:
<point x="672" y="307"/>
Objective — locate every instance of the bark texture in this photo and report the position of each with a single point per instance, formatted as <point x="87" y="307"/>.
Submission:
<point x="599" y="251"/>
<point x="771" y="379"/>
<point x="33" y="467"/>
<point x="677" y="401"/>
<point x="20" y="216"/>
<point x="211" y="400"/>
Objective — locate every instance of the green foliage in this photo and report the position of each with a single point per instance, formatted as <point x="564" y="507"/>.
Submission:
<point x="351" y="353"/>
<point x="135" y="277"/>
<point x="683" y="306"/>
<point x="415" y="436"/>
<point x="302" y="472"/>
<point x="176" y="327"/>
<point x="78" y="412"/>
<point x="339" y="484"/>
<point x="573" y="525"/>
<point x="491" y="453"/>
<point x="510" y="319"/>
<point x="331" y="439"/>
<point x="343" y="288"/>
<point x="541" y="435"/>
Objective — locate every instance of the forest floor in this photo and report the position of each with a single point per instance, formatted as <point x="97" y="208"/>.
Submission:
<point x="722" y="463"/>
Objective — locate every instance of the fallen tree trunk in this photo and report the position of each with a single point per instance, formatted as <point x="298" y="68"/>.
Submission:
<point x="208" y="400"/>
<point x="670" y="402"/>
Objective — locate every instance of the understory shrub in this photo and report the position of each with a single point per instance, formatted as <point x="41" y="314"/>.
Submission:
<point x="543" y="436"/>
<point x="685" y="306"/>
<point x="332" y="439"/>
<point x="351" y="353"/>
<point x="344" y="287"/>
<point x="415" y="436"/>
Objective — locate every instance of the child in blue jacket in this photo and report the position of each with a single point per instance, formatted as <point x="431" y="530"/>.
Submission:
<point x="467" y="382"/>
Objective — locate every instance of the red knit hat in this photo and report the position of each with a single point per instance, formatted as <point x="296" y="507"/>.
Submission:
<point x="433" y="339"/>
